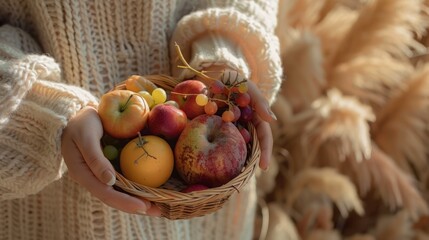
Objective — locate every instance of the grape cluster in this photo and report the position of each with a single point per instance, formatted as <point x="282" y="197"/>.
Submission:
<point x="227" y="97"/>
<point x="157" y="96"/>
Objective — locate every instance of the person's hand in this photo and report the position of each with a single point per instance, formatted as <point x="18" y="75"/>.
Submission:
<point x="261" y="119"/>
<point x="88" y="167"/>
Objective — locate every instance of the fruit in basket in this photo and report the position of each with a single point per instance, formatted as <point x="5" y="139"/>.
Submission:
<point x="185" y="94"/>
<point x="147" y="160"/>
<point x="245" y="133"/>
<point x="138" y="83"/>
<point x="209" y="151"/>
<point x="167" y="121"/>
<point x="194" y="188"/>
<point x="123" y="113"/>
<point x="148" y="97"/>
<point x="111" y="152"/>
<point x="159" y="95"/>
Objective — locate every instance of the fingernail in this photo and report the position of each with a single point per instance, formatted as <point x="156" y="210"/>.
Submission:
<point x="141" y="212"/>
<point x="109" y="178"/>
<point x="272" y="114"/>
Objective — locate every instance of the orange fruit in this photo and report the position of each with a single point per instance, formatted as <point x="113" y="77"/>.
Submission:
<point x="147" y="160"/>
<point x="138" y="83"/>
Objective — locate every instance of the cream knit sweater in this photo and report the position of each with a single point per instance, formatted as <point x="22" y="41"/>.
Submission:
<point x="57" y="56"/>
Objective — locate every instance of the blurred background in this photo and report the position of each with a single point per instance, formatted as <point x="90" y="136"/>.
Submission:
<point x="351" y="143"/>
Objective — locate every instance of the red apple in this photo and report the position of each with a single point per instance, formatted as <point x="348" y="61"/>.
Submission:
<point x="193" y="188"/>
<point x="167" y="121"/>
<point x="187" y="102"/>
<point x="123" y="113"/>
<point x="209" y="151"/>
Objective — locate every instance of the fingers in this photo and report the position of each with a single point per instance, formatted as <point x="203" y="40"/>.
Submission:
<point x="88" y="166"/>
<point x="262" y="124"/>
<point x="260" y="104"/>
<point x="265" y="137"/>
<point x="88" y="143"/>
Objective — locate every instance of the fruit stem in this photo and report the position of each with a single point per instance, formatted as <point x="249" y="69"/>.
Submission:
<point x="126" y="103"/>
<point x="187" y="66"/>
<point x="141" y="144"/>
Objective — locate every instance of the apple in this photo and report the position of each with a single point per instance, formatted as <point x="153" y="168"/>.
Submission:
<point x="187" y="102"/>
<point x="123" y="113"/>
<point x="167" y="121"/>
<point x="193" y="188"/>
<point x="209" y="151"/>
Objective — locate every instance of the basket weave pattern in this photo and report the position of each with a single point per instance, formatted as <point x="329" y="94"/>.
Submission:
<point x="178" y="205"/>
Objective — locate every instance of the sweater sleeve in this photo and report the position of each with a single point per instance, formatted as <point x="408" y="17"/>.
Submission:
<point x="237" y="34"/>
<point x="34" y="109"/>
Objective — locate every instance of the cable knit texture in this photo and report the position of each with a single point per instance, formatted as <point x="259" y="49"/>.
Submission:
<point x="58" y="56"/>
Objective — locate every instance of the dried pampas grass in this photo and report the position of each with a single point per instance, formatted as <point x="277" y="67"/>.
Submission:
<point x="394" y="227"/>
<point x="340" y="19"/>
<point x="361" y="237"/>
<point x="325" y="182"/>
<point x="340" y="125"/>
<point x="419" y="235"/>
<point x="384" y="27"/>
<point x="301" y="14"/>
<point x="370" y="79"/>
<point x="305" y="83"/>
<point x="283" y="227"/>
<point x="396" y="189"/>
<point x="401" y="126"/>
<point x="355" y="101"/>
<point x="323" y="235"/>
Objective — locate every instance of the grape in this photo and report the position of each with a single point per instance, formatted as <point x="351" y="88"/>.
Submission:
<point x="217" y="87"/>
<point x="148" y="97"/>
<point x="110" y="152"/>
<point x="210" y="108"/>
<point x="246" y="114"/>
<point x="172" y="103"/>
<point x="242" y="99"/>
<point x="220" y="104"/>
<point x="201" y="99"/>
<point x="237" y="112"/>
<point x="243" y="88"/>
<point x="234" y="89"/>
<point x="228" y="116"/>
<point x="159" y="95"/>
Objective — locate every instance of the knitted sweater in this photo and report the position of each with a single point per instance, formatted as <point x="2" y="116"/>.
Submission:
<point x="58" y="56"/>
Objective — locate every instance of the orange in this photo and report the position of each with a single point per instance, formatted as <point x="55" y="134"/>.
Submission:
<point x="138" y="83"/>
<point x="147" y="160"/>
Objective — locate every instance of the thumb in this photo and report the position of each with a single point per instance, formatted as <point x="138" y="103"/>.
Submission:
<point x="88" y="143"/>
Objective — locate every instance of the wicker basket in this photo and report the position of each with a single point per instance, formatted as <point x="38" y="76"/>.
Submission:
<point x="178" y="205"/>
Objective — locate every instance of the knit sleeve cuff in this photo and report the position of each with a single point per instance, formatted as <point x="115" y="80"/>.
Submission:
<point x="226" y="35"/>
<point x="33" y="113"/>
